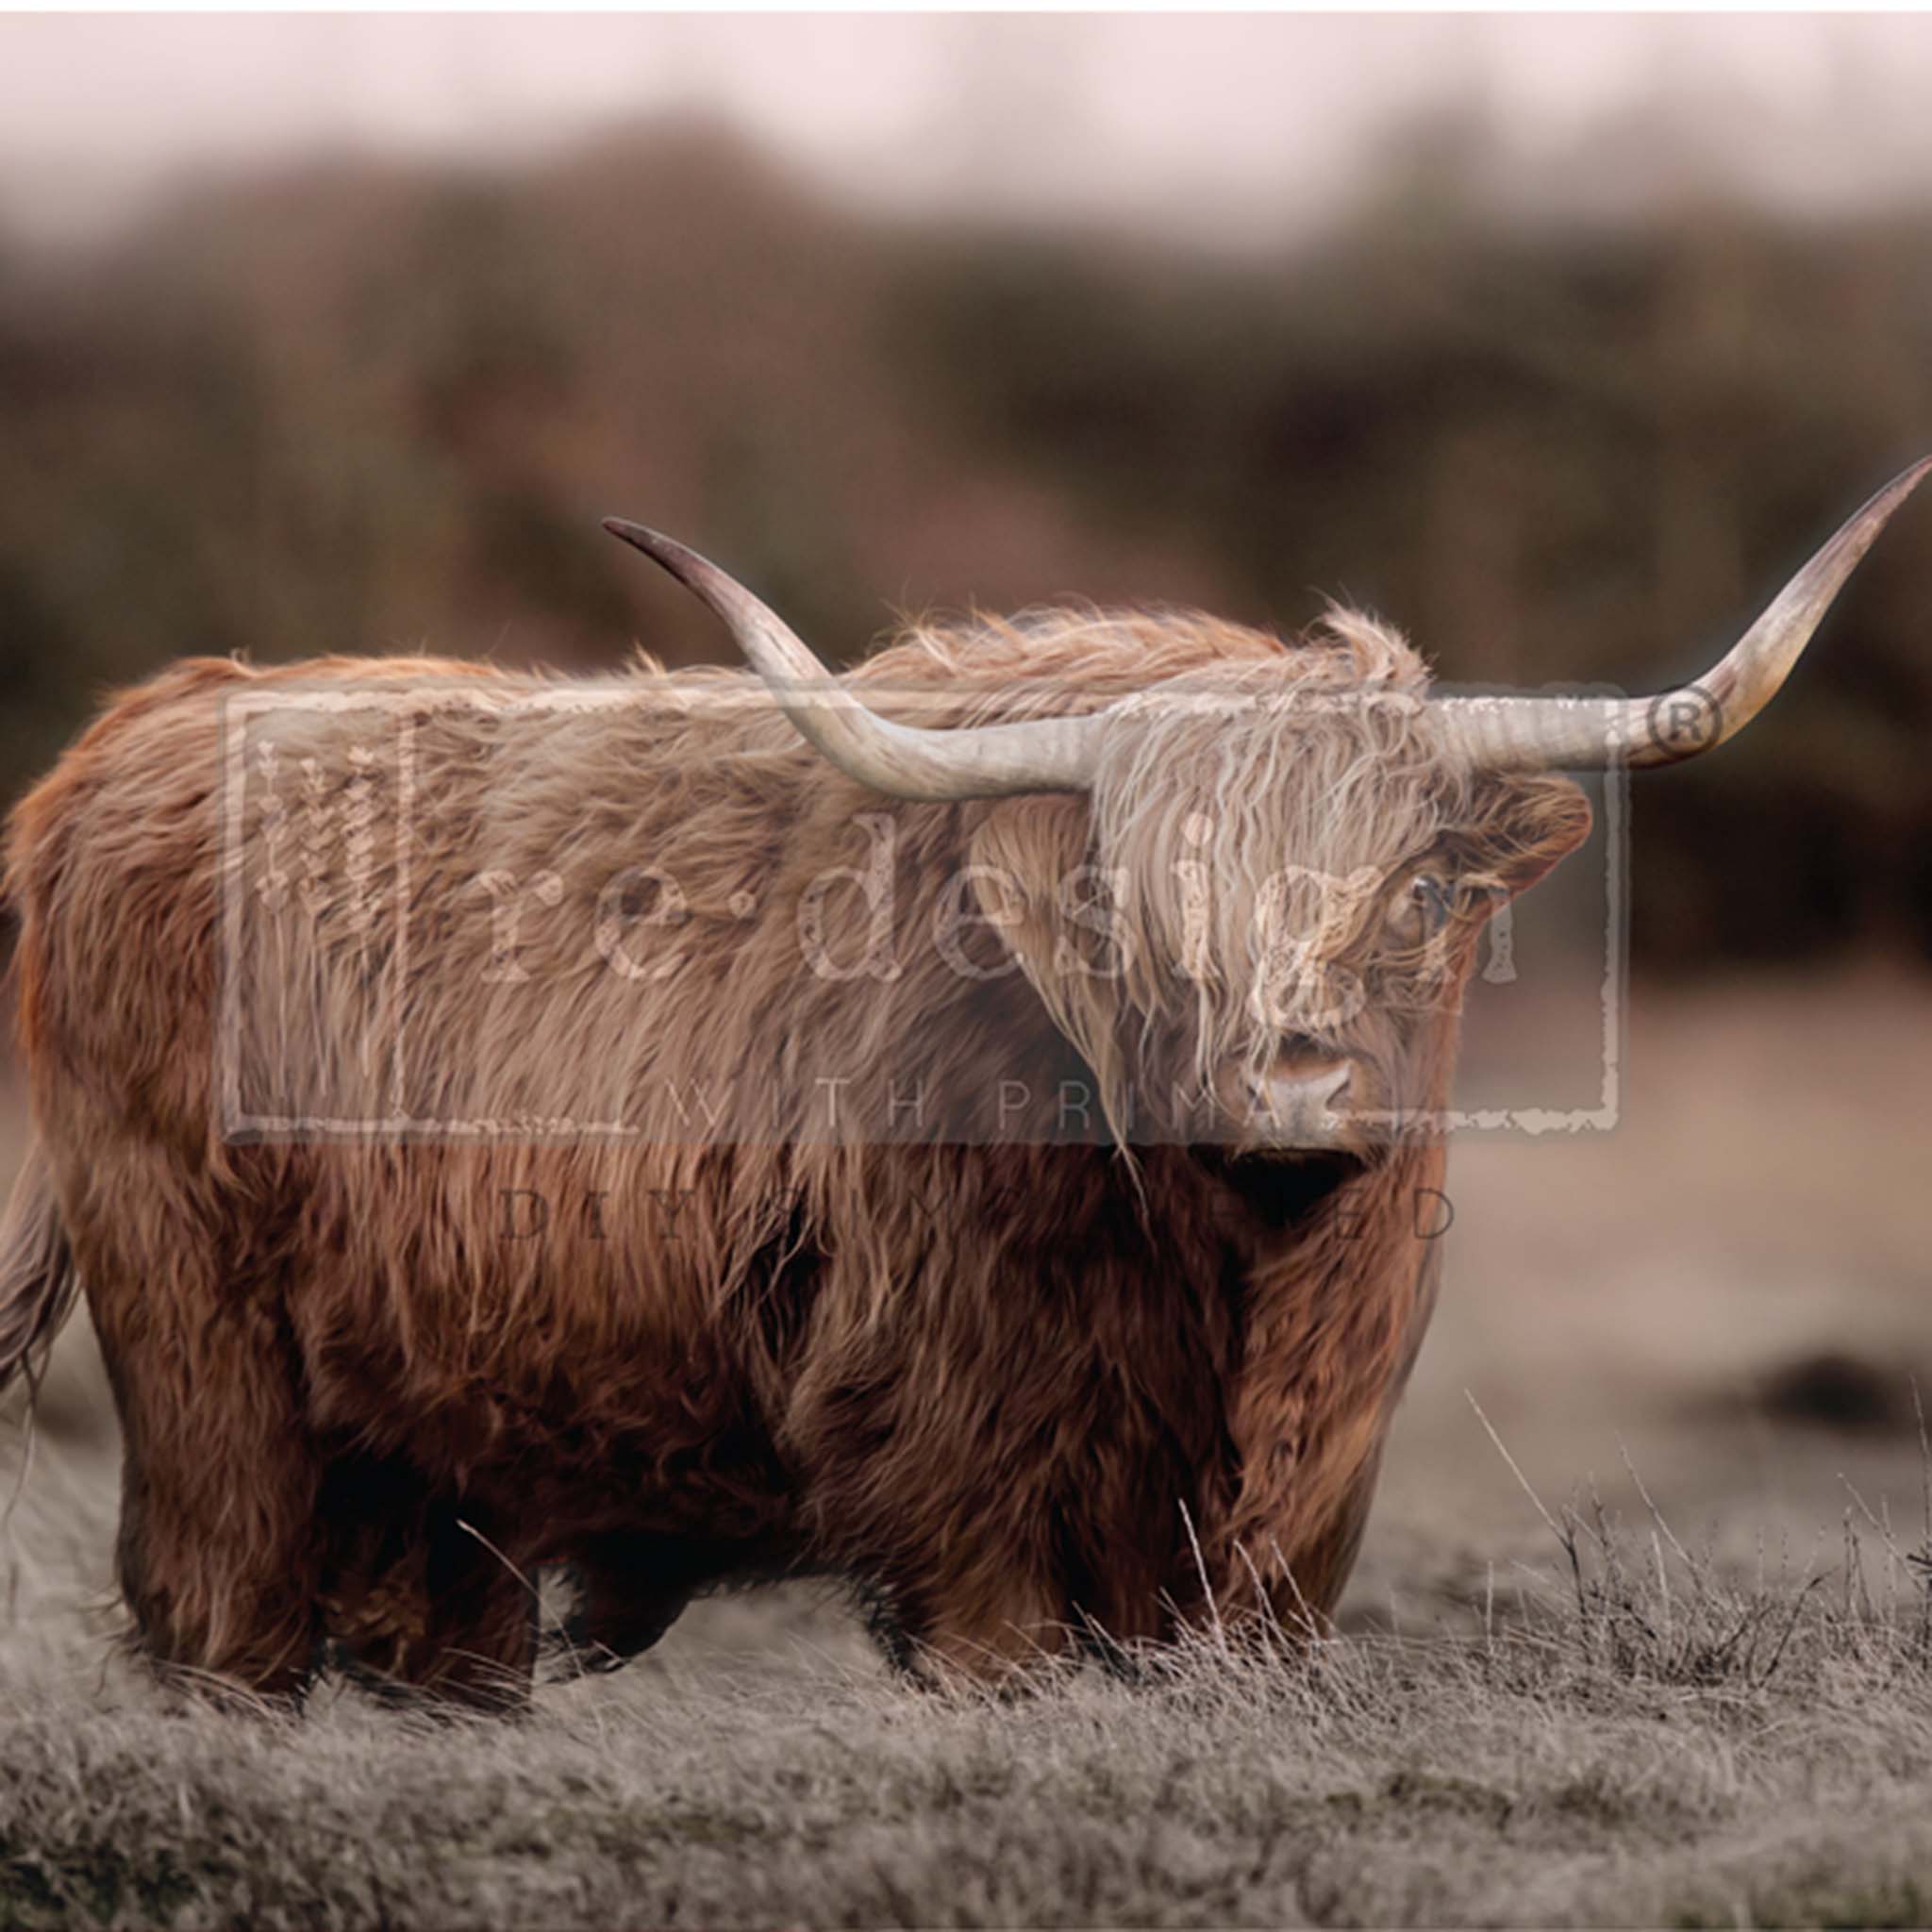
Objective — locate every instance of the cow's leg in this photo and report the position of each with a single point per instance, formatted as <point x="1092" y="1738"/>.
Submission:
<point x="427" y="1602"/>
<point x="978" y="1616"/>
<point x="217" y="1552"/>
<point x="1294" y="1577"/>
<point x="479" y="1641"/>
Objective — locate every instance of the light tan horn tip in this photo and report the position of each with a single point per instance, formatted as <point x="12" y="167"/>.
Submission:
<point x="667" y="551"/>
<point x="632" y="533"/>
<point x="1919" y="469"/>
<point x="714" y="588"/>
<point x="1871" y="517"/>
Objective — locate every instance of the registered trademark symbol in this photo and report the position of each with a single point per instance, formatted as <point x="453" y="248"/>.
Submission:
<point x="1684" y="721"/>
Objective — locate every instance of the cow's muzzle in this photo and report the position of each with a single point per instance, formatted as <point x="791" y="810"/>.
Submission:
<point x="1300" y="1103"/>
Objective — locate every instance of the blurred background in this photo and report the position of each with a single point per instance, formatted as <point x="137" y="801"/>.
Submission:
<point x="1559" y="342"/>
<point x="1556" y="341"/>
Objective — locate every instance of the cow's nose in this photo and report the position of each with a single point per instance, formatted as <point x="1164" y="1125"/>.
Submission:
<point x="1302" y="1096"/>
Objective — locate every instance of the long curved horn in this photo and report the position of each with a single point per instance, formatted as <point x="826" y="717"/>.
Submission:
<point x="1587" y="734"/>
<point x="904" y="760"/>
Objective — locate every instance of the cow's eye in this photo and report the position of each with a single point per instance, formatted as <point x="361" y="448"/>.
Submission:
<point x="1421" y="908"/>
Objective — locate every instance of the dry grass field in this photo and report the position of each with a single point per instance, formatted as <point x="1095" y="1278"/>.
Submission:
<point x="1705" y="1700"/>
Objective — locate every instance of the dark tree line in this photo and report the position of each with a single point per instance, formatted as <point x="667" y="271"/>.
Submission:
<point x="367" y="408"/>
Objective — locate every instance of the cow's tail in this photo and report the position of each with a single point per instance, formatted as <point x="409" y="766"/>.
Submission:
<point x="37" y="1285"/>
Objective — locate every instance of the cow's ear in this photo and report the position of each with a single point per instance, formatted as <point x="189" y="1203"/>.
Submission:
<point x="1036" y="882"/>
<point x="1532" y="825"/>
<point x="1021" y="854"/>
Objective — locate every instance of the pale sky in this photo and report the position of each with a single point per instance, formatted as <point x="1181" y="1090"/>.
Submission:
<point x="1259" y="120"/>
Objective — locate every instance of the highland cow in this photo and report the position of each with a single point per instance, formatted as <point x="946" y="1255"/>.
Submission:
<point x="686" y="1130"/>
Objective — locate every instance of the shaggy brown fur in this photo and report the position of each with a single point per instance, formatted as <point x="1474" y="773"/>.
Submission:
<point x="503" y="1125"/>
